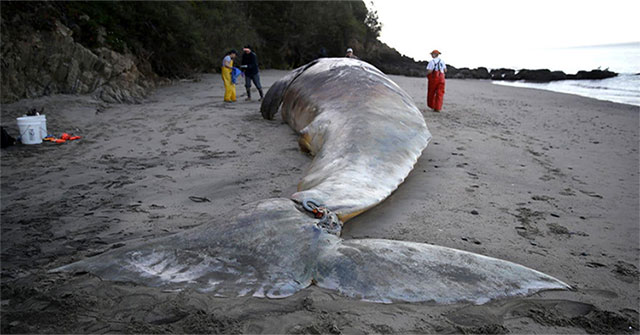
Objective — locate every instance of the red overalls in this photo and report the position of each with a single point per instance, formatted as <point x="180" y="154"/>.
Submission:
<point x="435" y="88"/>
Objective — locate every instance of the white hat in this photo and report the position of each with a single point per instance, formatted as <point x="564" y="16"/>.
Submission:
<point x="349" y="50"/>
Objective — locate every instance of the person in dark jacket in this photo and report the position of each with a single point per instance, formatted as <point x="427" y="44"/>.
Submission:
<point x="251" y="71"/>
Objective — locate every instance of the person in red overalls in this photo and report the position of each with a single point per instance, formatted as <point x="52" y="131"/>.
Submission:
<point x="435" y="74"/>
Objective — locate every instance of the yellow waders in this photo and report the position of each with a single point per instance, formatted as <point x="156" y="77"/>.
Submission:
<point x="229" y="88"/>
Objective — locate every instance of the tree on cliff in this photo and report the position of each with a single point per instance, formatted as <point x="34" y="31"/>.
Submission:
<point x="179" y="38"/>
<point x="182" y="37"/>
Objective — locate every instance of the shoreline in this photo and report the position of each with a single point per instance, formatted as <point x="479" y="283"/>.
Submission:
<point x="564" y="86"/>
<point x="552" y="179"/>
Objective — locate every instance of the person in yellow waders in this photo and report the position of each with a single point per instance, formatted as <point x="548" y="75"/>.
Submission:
<point x="227" y="67"/>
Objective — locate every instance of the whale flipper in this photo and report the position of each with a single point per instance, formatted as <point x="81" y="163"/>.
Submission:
<point x="388" y="271"/>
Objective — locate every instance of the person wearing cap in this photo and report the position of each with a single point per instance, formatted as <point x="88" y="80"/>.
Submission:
<point x="251" y="71"/>
<point x="227" y="69"/>
<point x="350" y="54"/>
<point x="435" y="75"/>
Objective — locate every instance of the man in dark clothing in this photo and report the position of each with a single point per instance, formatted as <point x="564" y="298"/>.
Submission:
<point x="251" y="72"/>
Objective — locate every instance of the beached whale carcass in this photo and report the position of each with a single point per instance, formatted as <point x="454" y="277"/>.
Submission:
<point x="365" y="134"/>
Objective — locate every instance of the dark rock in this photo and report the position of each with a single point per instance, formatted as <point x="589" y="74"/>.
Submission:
<point x="542" y="75"/>
<point x="463" y="73"/>
<point x="503" y="74"/>
<point x="480" y="73"/>
<point x="451" y="71"/>
<point x="558" y="75"/>
<point x="595" y="74"/>
<point x="467" y="73"/>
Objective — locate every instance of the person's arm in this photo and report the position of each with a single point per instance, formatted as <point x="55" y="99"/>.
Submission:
<point x="244" y="64"/>
<point x="227" y="63"/>
<point x="253" y="63"/>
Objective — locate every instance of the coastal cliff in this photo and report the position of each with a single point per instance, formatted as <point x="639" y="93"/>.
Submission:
<point x="37" y="63"/>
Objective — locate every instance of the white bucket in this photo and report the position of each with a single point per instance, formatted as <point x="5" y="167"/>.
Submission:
<point x="29" y="127"/>
<point x="43" y="125"/>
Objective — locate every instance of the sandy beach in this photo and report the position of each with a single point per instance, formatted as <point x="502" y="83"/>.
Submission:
<point x="547" y="180"/>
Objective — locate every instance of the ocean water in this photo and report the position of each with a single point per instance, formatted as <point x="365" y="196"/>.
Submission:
<point x="625" y="88"/>
<point x="621" y="58"/>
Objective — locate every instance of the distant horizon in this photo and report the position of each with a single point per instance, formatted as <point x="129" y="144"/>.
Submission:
<point x="605" y="45"/>
<point x="601" y="45"/>
<point x="623" y="44"/>
<point x="622" y="58"/>
<point x="465" y="30"/>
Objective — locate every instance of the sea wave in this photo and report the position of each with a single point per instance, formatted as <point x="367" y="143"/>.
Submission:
<point x="620" y="89"/>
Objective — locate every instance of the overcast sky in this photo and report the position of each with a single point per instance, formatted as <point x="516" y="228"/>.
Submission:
<point x="463" y="29"/>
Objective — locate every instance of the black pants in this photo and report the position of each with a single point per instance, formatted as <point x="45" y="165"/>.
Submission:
<point x="255" y="78"/>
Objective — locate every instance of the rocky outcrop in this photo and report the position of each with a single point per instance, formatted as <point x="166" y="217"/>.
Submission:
<point x="461" y="73"/>
<point x="390" y="61"/>
<point x="481" y="73"/>
<point x="503" y="74"/>
<point x="49" y="61"/>
<point x="543" y="75"/>
<point x="593" y="74"/>
<point x="467" y="73"/>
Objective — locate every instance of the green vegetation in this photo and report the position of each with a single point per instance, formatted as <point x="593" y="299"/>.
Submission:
<point x="183" y="37"/>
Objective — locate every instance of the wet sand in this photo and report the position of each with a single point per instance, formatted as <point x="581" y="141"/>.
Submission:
<point x="543" y="179"/>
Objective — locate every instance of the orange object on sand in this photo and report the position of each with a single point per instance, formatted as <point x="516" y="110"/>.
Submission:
<point x="63" y="138"/>
<point x="54" y="140"/>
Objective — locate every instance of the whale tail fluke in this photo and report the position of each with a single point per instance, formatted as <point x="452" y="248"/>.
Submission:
<point x="389" y="271"/>
<point x="265" y="249"/>
<point x="272" y="248"/>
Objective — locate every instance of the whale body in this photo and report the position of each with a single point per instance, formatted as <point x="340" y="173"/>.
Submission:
<point x="365" y="135"/>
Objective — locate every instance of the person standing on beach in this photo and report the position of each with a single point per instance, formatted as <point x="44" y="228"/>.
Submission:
<point x="251" y="71"/>
<point x="227" y="68"/>
<point x="435" y="75"/>
<point x="350" y="54"/>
